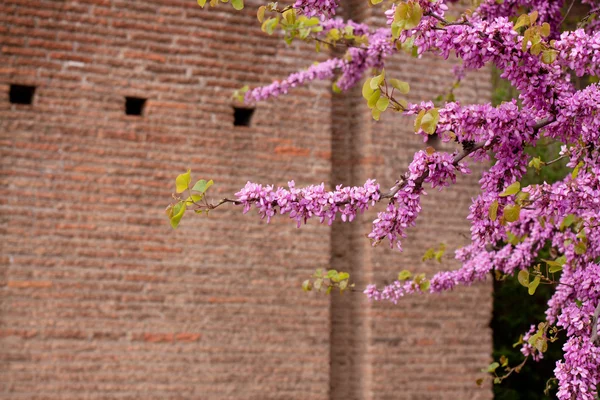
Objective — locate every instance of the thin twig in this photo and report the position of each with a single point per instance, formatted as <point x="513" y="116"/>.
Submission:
<point x="556" y="159"/>
<point x="566" y="14"/>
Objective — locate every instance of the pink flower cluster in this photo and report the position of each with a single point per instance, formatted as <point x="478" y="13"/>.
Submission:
<point x="437" y="169"/>
<point x="308" y="202"/>
<point x="322" y="71"/>
<point x="319" y="8"/>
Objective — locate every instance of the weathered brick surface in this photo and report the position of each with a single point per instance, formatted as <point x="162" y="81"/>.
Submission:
<point x="99" y="298"/>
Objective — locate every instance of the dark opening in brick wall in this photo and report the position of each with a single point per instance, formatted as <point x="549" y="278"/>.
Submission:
<point x="242" y="116"/>
<point x="134" y="105"/>
<point x="21" y="94"/>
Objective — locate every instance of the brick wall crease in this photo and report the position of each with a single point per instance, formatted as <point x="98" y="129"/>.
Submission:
<point x="101" y="299"/>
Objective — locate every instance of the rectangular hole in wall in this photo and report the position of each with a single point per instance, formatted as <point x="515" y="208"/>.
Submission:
<point x="21" y="94"/>
<point x="134" y="105"/>
<point x="242" y="116"/>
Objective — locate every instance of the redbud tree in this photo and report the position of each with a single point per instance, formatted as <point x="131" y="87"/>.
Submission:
<point x="510" y="223"/>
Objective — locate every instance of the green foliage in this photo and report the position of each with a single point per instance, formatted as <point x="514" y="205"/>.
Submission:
<point x="328" y="280"/>
<point x="427" y="121"/>
<point x="406" y="16"/>
<point x="512" y="213"/>
<point x="379" y="96"/>
<point x="404" y="275"/>
<point x="195" y="195"/>
<point x="432" y="253"/>
<point x="240" y="93"/>
<point x="535" y="35"/>
<point x="512" y="189"/>
<point x="237" y="4"/>
<point x="493" y="211"/>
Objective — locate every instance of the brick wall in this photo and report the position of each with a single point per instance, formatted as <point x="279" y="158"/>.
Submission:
<point x="99" y="298"/>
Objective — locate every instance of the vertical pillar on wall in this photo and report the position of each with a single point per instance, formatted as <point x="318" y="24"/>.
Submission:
<point x="349" y="369"/>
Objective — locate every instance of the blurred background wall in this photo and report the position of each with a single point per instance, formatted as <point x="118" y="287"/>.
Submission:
<point x="102" y="104"/>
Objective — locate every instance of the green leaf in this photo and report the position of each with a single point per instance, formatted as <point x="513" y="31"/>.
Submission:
<point x="512" y="189"/>
<point x="366" y="89"/>
<point x="424" y="286"/>
<point x="429" y="121"/>
<point x="401" y="86"/>
<point x="182" y="182"/>
<point x="396" y="29"/>
<point x="237" y="4"/>
<point x="522" y="21"/>
<point x="493" y="211"/>
<point x="555" y="265"/>
<point x="420" y="116"/>
<point x="260" y="14"/>
<point x="306" y="286"/>
<point x="419" y="278"/>
<point x="536" y="49"/>
<point x="429" y="254"/>
<point x="404" y="275"/>
<point x="579" y="303"/>
<point x="567" y="222"/>
<point x="576" y="170"/>
<point x="376" y="114"/>
<point x="580" y="248"/>
<point x="545" y="29"/>
<point x="382" y="104"/>
<point x="403" y="103"/>
<point x="512" y="238"/>
<point x="202" y="3"/>
<point x="541" y="344"/>
<point x="536" y="163"/>
<point x="374" y="98"/>
<point x="376" y="81"/>
<point x="343" y="276"/>
<point x="492" y="367"/>
<point x="415" y="13"/>
<point x="289" y="16"/>
<point x="512" y="213"/>
<point x="202" y="186"/>
<point x="519" y="342"/>
<point x="522" y="197"/>
<point x="195" y="198"/>
<point x="533" y="17"/>
<point x="555" y="268"/>
<point x="523" y="277"/>
<point x="318" y="283"/>
<point x="178" y="211"/>
<point x="549" y="56"/>
<point x="533" y="285"/>
<point x="269" y="25"/>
